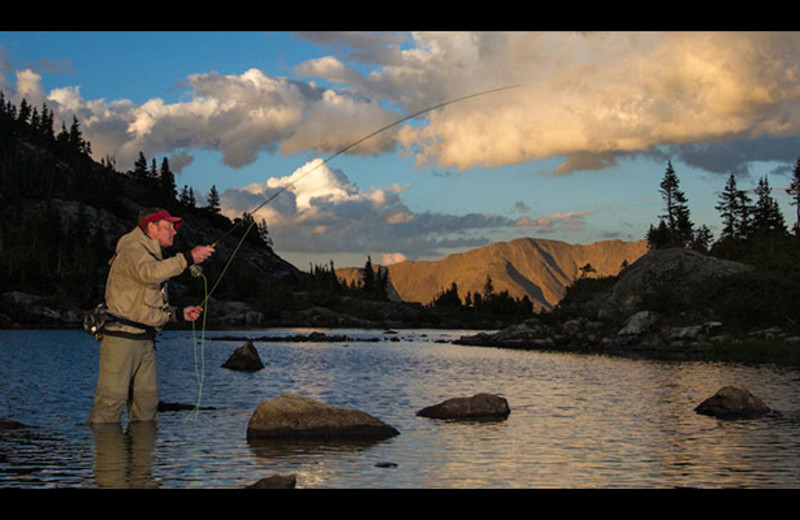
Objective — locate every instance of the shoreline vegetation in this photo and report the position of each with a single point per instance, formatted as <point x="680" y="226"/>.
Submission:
<point x="689" y="297"/>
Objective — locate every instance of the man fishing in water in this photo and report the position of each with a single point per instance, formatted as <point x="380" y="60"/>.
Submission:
<point x="137" y="310"/>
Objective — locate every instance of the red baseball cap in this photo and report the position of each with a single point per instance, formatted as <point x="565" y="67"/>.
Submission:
<point x="159" y="214"/>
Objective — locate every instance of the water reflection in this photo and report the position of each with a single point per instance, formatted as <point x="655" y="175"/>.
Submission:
<point x="576" y="421"/>
<point x="124" y="458"/>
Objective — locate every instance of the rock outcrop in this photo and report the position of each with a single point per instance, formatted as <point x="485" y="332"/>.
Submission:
<point x="675" y="273"/>
<point x="660" y="305"/>
<point x="290" y="416"/>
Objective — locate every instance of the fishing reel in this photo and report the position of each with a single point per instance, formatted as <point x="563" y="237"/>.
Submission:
<point x="196" y="271"/>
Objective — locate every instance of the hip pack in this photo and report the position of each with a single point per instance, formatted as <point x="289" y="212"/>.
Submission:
<point x="95" y="320"/>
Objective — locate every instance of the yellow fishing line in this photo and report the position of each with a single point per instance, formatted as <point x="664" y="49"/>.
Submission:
<point x="199" y="347"/>
<point x="199" y="350"/>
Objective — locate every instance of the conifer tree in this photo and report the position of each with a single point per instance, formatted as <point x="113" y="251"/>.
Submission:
<point x="167" y="182"/>
<point x="675" y="228"/>
<point x="767" y="217"/>
<point x="213" y="200"/>
<point x="140" y="169"/>
<point x="369" y="278"/>
<point x="488" y="288"/>
<point x="263" y="233"/>
<point x="736" y="211"/>
<point x="794" y="191"/>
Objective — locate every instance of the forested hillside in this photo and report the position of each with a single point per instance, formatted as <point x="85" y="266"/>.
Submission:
<point x="61" y="213"/>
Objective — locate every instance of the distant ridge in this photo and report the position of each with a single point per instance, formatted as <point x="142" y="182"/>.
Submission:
<point x="539" y="268"/>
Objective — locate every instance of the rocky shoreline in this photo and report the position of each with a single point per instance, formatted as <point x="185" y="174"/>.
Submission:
<point x="672" y="304"/>
<point x="645" y="335"/>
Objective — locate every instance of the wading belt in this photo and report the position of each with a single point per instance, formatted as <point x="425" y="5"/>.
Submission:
<point x="96" y="320"/>
<point x="148" y="332"/>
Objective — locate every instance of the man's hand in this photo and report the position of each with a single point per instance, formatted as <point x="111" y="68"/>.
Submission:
<point x="191" y="313"/>
<point x="201" y="253"/>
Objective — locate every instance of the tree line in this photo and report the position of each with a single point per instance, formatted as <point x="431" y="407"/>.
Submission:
<point x="754" y="229"/>
<point x="485" y="302"/>
<point x="49" y="187"/>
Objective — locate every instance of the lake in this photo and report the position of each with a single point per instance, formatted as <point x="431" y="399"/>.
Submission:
<point x="577" y="421"/>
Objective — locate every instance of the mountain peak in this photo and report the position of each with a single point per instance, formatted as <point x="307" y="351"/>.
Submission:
<point x="541" y="269"/>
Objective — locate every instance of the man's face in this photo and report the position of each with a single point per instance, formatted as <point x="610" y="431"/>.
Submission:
<point x="162" y="231"/>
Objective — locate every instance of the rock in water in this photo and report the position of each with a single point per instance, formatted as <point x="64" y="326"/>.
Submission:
<point x="244" y="358"/>
<point x="9" y="424"/>
<point x="293" y="416"/>
<point x="479" y="406"/>
<point x="275" y="482"/>
<point x="177" y="407"/>
<point x="733" y="403"/>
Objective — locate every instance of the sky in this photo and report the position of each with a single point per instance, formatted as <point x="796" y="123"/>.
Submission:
<point x="561" y="135"/>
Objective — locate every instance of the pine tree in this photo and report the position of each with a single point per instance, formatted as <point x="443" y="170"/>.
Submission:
<point x="794" y="191"/>
<point x="140" y="169"/>
<point x="488" y="288"/>
<point x="213" y="200"/>
<point x="183" y="198"/>
<point x="369" y="278"/>
<point x="676" y="228"/>
<point x="728" y="207"/>
<point x="167" y="183"/>
<point x="263" y="233"/>
<point x="767" y="217"/>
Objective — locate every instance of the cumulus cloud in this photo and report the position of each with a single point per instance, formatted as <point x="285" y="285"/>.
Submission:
<point x="593" y="97"/>
<point x="392" y="258"/>
<point x="716" y="100"/>
<point x="317" y="209"/>
<point x="589" y="98"/>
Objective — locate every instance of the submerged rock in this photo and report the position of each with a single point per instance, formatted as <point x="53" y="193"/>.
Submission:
<point x="177" y="407"/>
<point x="10" y="424"/>
<point x="293" y="416"/>
<point x="479" y="406"/>
<point x="275" y="482"/>
<point x="244" y="358"/>
<point x="733" y="403"/>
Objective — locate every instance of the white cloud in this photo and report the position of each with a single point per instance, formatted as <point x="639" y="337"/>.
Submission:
<point x="392" y="258"/>
<point x="317" y="209"/>
<point x="586" y="97"/>
<point x="716" y="99"/>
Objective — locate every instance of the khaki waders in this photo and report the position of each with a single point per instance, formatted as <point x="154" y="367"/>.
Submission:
<point x="127" y="376"/>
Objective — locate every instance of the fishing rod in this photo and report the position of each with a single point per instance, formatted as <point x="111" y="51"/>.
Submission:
<point x="197" y="271"/>
<point x="358" y="142"/>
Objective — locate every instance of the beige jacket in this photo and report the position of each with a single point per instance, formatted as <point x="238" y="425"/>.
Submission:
<point x="133" y="289"/>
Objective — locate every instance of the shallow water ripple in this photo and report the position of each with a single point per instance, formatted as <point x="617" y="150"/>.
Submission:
<point x="576" y="421"/>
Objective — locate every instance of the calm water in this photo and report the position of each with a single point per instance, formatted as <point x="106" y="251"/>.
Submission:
<point x="576" y="421"/>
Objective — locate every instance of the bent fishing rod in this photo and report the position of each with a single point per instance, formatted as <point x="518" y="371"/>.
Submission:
<point x="197" y="271"/>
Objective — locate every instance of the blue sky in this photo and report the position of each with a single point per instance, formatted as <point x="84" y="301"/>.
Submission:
<point x="574" y="153"/>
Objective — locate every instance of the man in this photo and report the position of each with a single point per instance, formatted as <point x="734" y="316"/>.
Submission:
<point x="137" y="309"/>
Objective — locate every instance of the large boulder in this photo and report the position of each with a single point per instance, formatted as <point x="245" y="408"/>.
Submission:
<point x="731" y="402"/>
<point x="244" y="358"/>
<point x="293" y="416"/>
<point x="477" y="407"/>
<point x="675" y="273"/>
